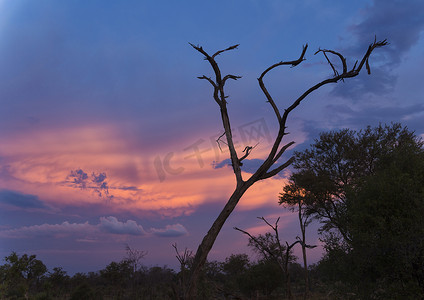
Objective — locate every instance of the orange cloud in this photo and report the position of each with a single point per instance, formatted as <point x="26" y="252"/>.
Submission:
<point x="171" y="183"/>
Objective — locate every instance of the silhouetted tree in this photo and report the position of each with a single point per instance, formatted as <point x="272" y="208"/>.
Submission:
<point x="271" y="165"/>
<point x="20" y="274"/>
<point x="367" y="189"/>
<point x="296" y="199"/>
<point x="184" y="259"/>
<point x="134" y="257"/>
<point x="271" y="248"/>
<point x="235" y="267"/>
<point x="58" y="282"/>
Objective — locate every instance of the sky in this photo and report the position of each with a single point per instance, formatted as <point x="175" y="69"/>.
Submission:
<point x="107" y="137"/>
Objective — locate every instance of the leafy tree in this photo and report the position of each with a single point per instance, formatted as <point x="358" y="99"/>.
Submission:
<point x="236" y="264"/>
<point x="21" y="274"/>
<point x="335" y="165"/>
<point x="367" y="189"/>
<point x="57" y="282"/>
<point x="271" y="165"/>
<point x="386" y="223"/>
<point x="158" y="283"/>
<point x="117" y="277"/>
<point x="84" y="291"/>
<point x="263" y="277"/>
<point x="235" y="268"/>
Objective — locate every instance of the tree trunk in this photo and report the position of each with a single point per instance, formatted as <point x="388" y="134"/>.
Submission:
<point x="305" y="263"/>
<point x="287" y="273"/>
<point x="210" y="237"/>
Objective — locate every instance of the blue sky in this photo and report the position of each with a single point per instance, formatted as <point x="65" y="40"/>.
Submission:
<point x="109" y="89"/>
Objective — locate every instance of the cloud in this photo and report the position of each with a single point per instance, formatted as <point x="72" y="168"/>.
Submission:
<point x="81" y="231"/>
<point x="79" y="178"/>
<point x="401" y="23"/>
<point x="112" y="225"/>
<point x="98" y="182"/>
<point x="222" y="164"/>
<point x="352" y="117"/>
<point x="86" y="232"/>
<point x="100" y="178"/>
<point x="49" y="230"/>
<point x="175" y="230"/>
<point x="20" y="200"/>
<point x="127" y="188"/>
<point x="381" y="82"/>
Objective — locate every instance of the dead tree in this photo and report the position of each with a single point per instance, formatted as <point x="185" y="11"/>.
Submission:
<point x="184" y="260"/>
<point x="271" y="165"/>
<point x="134" y="257"/>
<point x="274" y="251"/>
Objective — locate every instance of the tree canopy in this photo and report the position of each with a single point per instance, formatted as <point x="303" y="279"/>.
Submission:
<point x="367" y="189"/>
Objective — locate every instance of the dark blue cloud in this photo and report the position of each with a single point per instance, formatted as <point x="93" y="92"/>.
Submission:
<point x="222" y="164"/>
<point x="357" y="118"/>
<point x="20" y="200"/>
<point x="381" y="82"/>
<point x="401" y="23"/>
<point x="128" y="188"/>
<point x="410" y="115"/>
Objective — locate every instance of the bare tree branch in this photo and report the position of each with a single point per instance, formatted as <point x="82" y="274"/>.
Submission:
<point x="220" y="98"/>
<point x="278" y="169"/>
<point x="219" y="140"/>
<point x="134" y="256"/>
<point x="282" y="150"/>
<point x="293" y="63"/>
<point x="275" y="228"/>
<point x="281" y="256"/>
<point x="348" y="74"/>
<point x="262" y="247"/>
<point x="368" y="54"/>
<point x="305" y="245"/>
<point x="208" y="79"/>
<point x="182" y="257"/>
<point x="229" y="76"/>
<point x="342" y="58"/>
<point x="228" y="49"/>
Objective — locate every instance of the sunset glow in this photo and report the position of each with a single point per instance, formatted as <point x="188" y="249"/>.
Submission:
<point x="107" y="136"/>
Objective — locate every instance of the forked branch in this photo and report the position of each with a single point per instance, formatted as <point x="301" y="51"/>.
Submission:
<point x="220" y="98"/>
<point x="274" y="154"/>
<point x="219" y="81"/>
<point x="293" y="63"/>
<point x="355" y="70"/>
